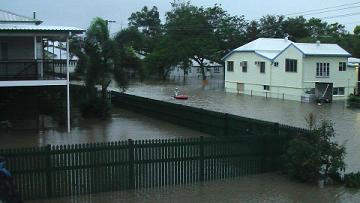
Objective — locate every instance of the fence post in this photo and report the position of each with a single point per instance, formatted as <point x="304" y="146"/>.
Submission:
<point x="48" y="171"/>
<point x="226" y="124"/>
<point x="131" y="164"/>
<point x="202" y="159"/>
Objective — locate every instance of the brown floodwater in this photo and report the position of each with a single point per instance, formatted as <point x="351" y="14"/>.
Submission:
<point x="213" y="97"/>
<point x="256" y="188"/>
<point x="122" y="125"/>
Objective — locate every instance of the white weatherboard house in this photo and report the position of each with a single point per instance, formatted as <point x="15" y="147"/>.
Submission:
<point x="280" y="68"/>
<point x="212" y="70"/>
<point x="24" y="66"/>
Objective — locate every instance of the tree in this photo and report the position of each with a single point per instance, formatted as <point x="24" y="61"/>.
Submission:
<point x="252" y="31"/>
<point x="357" y="31"/>
<point x="100" y="63"/>
<point x="295" y="28"/>
<point x="314" y="156"/>
<point x="271" y="26"/>
<point x="190" y="30"/>
<point x="316" y="27"/>
<point x="149" y="24"/>
<point x="229" y="31"/>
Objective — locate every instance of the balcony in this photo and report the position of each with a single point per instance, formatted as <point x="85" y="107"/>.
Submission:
<point x="30" y="69"/>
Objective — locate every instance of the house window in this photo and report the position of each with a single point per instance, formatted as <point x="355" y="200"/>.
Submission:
<point x="198" y="70"/>
<point x="291" y="65"/>
<point x="266" y="87"/>
<point x="230" y="66"/>
<point x="243" y="65"/>
<point x="189" y="70"/>
<point x="216" y="70"/>
<point x="261" y="64"/>
<point x="342" y="66"/>
<point x="177" y="69"/>
<point x="322" y="69"/>
<point x="276" y="64"/>
<point x="340" y="91"/>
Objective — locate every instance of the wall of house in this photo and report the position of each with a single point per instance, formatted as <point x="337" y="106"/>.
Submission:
<point x="19" y="47"/>
<point x="252" y="79"/>
<point x="346" y="79"/>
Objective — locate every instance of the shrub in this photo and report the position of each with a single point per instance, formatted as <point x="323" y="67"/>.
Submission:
<point x="314" y="156"/>
<point x="353" y="101"/>
<point x="96" y="108"/>
<point x="352" y="180"/>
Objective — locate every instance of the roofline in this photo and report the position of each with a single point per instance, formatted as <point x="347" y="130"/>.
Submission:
<point x="339" y="55"/>
<point x="291" y="44"/>
<point x="30" y="19"/>
<point x="255" y="52"/>
<point x="74" y="31"/>
<point x="37" y="22"/>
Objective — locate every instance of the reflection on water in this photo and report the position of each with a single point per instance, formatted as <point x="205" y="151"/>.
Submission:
<point x="213" y="97"/>
<point x="257" y="188"/>
<point x="122" y="126"/>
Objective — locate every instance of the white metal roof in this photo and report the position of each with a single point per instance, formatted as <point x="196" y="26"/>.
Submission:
<point x="265" y="44"/>
<point x="270" y="48"/>
<point x="7" y="16"/>
<point x="321" y="49"/>
<point x="16" y="27"/>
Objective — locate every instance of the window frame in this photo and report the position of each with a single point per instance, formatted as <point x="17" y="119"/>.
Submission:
<point x="230" y="68"/>
<point x="322" y="70"/>
<point x="244" y="66"/>
<point x="338" y="90"/>
<point x="262" y="66"/>
<point x="291" y="65"/>
<point x="342" y="66"/>
<point x="266" y="87"/>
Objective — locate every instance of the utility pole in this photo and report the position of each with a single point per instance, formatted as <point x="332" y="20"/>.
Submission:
<point x="108" y="23"/>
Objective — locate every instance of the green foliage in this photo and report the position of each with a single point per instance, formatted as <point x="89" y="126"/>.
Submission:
<point x="272" y="26"/>
<point x="314" y="156"/>
<point x="353" y="101"/>
<point x="352" y="180"/>
<point x="96" y="107"/>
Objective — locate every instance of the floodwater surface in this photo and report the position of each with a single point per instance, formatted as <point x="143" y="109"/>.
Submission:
<point x="122" y="125"/>
<point x="256" y="188"/>
<point x="293" y="113"/>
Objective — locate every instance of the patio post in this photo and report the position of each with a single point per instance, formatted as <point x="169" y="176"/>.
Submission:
<point x="68" y="82"/>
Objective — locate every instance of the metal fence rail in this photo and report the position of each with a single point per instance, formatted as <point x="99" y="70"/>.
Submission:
<point x="57" y="171"/>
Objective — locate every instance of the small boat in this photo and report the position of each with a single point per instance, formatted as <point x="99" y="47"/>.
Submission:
<point x="183" y="97"/>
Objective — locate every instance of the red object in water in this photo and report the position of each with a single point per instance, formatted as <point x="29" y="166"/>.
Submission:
<point x="183" y="97"/>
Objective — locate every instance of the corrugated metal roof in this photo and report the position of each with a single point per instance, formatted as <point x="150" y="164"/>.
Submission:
<point x="270" y="48"/>
<point x="13" y="27"/>
<point x="7" y="16"/>
<point x="321" y="49"/>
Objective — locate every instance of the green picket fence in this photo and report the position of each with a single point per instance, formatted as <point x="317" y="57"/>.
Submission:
<point x="57" y="171"/>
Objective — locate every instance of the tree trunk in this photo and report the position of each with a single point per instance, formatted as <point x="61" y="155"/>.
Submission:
<point x="203" y="71"/>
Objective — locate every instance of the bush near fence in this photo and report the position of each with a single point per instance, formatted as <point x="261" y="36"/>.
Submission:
<point x="57" y="171"/>
<point x="211" y="122"/>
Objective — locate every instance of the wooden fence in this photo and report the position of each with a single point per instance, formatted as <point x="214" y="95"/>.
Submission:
<point x="57" y="171"/>
<point x="207" y="121"/>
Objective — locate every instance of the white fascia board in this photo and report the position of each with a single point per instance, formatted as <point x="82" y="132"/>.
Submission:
<point x="32" y="83"/>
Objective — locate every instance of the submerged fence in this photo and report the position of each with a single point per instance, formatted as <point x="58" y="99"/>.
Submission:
<point x="56" y="171"/>
<point x="211" y="122"/>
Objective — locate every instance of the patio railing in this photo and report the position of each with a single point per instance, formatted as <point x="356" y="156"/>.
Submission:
<point x="30" y="69"/>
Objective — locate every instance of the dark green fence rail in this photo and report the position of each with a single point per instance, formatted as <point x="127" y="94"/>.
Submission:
<point x="57" y="171"/>
<point x="211" y="122"/>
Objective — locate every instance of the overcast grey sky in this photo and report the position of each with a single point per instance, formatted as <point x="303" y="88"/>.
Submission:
<point x="80" y="12"/>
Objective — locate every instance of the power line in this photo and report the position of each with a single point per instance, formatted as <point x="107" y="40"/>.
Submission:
<point x="321" y="9"/>
<point x="331" y="10"/>
<point x="339" y="16"/>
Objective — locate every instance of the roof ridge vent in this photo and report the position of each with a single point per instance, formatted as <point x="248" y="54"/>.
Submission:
<point x="318" y="42"/>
